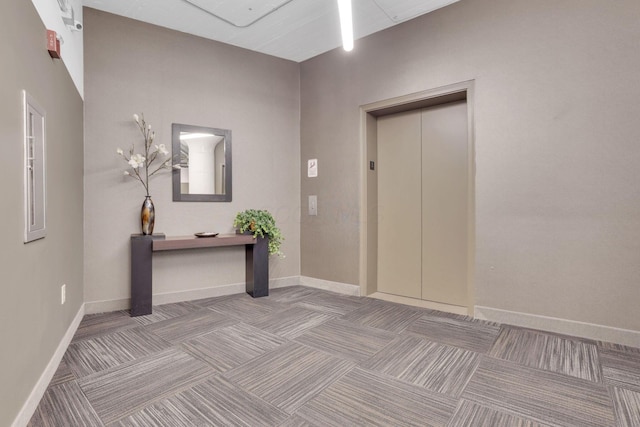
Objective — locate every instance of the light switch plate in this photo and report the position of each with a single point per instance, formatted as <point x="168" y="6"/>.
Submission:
<point x="313" y="205"/>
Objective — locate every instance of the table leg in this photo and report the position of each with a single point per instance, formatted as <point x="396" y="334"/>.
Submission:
<point x="257" y="268"/>
<point x="141" y="268"/>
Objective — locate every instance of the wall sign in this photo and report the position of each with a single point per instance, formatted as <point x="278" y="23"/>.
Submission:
<point x="312" y="168"/>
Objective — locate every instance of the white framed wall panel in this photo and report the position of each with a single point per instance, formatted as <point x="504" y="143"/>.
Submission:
<point x="34" y="170"/>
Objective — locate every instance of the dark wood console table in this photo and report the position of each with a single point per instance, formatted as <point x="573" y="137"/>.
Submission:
<point x="142" y="248"/>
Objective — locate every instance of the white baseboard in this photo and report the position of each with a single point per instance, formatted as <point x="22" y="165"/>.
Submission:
<point x="562" y="326"/>
<point x="218" y="291"/>
<point x="194" y="294"/>
<point x="341" y="288"/>
<point x="93" y="307"/>
<point x="29" y="407"/>
<point x="284" y="282"/>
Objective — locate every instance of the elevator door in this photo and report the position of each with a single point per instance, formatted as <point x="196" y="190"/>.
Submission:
<point x="400" y="205"/>
<point x="423" y="197"/>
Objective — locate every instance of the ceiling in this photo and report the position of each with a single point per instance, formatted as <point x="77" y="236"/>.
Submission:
<point x="292" y="29"/>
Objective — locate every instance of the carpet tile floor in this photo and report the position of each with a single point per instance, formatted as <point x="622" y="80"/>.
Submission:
<point x="307" y="357"/>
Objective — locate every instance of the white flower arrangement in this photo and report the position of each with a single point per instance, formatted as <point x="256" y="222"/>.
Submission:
<point x="141" y="164"/>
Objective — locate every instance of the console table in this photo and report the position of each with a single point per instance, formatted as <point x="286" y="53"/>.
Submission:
<point x="142" y="248"/>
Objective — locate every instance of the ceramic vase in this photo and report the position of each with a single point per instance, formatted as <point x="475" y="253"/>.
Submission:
<point x="147" y="216"/>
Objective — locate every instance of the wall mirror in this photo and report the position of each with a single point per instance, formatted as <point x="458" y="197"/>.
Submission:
<point x="204" y="156"/>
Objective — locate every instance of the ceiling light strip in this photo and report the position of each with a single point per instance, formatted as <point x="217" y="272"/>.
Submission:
<point x="232" y="23"/>
<point x="346" y="24"/>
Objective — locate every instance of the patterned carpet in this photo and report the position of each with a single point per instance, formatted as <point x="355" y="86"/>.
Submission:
<point x="306" y="357"/>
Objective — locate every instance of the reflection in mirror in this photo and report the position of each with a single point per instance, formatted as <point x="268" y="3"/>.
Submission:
<point x="203" y="171"/>
<point x="204" y="158"/>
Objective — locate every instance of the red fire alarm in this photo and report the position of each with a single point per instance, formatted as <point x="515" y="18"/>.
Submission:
<point x="53" y="44"/>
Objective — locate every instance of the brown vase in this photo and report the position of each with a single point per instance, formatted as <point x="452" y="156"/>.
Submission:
<point x="147" y="216"/>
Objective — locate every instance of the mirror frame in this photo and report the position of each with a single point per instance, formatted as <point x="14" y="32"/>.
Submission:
<point x="176" y="128"/>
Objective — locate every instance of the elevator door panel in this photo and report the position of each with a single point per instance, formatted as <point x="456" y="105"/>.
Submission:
<point x="445" y="200"/>
<point x="399" y="207"/>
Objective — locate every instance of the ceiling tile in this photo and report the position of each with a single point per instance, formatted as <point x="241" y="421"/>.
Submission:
<point x="239" y="13"/>
<point x="297" y="30"/>
<point x="403" y="10"/>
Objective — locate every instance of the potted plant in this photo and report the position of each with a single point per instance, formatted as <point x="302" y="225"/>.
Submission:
<point x="260" y="223"/>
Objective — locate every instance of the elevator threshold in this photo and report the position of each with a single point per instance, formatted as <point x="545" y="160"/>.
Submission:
<point x="448" y="308"/>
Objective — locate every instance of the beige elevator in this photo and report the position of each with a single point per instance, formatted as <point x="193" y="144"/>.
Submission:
<point x="424" y="185"/>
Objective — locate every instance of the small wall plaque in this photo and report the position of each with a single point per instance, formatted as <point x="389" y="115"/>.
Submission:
<point x="312" y="168"/>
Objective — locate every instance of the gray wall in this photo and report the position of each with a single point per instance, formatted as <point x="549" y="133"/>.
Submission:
<point x="172" y="77"/>
<point x="556" y="137"/>
<point x="32" y="321"/>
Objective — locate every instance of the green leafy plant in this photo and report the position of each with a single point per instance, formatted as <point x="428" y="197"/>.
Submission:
<point x="260" y="223"/>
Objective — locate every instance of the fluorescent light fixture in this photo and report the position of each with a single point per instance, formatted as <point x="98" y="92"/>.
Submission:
<point x="346" y="24"/>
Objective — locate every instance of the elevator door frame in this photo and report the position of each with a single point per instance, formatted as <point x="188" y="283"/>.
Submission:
<point x="369" y="188"/>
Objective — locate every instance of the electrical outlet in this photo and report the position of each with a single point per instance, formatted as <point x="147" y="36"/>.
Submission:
<point x="63" y="294"/>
